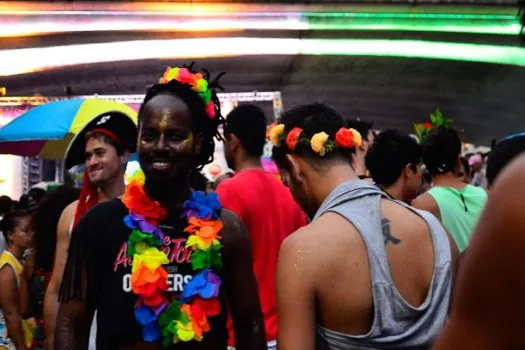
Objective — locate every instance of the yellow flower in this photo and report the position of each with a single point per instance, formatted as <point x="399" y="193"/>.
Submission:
<point x="201" y="244"/>
<point x="185" y="331"/>
<point x="317" y="142"/>
<point x="358" y="140"/>
<point x="275" y="134"/>
<point x="152" y="258"/>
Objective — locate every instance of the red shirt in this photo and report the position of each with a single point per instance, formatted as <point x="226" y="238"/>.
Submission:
<point x="270" y="214"/>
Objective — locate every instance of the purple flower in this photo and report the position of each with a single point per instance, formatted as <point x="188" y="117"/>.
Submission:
<point x="138" y="222"/>
<point x="206" y="284"/>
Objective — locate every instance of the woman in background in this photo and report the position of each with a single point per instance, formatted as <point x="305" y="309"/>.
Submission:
<point x="39" y="264"/>
<point x="16" y="227"/>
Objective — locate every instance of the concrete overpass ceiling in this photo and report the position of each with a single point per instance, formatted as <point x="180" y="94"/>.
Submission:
<point x="486" y="100"/>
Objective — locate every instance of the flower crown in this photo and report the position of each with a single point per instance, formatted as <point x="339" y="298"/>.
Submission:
<point x="199" y="83"/>
<point x="437" y="120"/>
<point x="320" y="143"/>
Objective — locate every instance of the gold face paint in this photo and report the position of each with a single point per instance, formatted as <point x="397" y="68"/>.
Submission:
<point x="165" y="114"/>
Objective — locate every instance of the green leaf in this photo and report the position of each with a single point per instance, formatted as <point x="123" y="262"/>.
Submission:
<point x="209" y="258"/>
<point x="171" y="313"/>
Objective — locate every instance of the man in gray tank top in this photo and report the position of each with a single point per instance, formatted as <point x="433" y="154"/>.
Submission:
<point x="368" y="272"/>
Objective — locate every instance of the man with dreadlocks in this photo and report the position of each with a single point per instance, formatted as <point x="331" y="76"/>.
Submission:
<point x="104" y="146"/>
<point x="163" y="264"/>
<point x="368" y="271"/>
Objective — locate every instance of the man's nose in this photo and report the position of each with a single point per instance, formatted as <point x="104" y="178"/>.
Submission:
<point x="161" y="144"/>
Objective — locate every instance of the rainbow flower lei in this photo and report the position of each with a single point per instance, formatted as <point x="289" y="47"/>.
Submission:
<point x="187" y="319"/>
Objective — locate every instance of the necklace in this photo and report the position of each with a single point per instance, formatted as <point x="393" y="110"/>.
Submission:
<point x="179" y="320"/>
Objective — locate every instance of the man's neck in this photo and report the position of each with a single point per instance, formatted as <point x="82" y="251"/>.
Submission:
<point x="395" y="191"/>
<point x="448" y="180"/>
<point x="170" y="194"/>
<point x="248" y="163"/>
<point x="112" y="188"/>
<point x="325" y="183"/>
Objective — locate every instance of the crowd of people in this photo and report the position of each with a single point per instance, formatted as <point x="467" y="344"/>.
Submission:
<point x="357" y="245"/>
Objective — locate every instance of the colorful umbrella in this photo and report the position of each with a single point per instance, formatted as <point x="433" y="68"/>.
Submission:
<point x="47" y="130"/>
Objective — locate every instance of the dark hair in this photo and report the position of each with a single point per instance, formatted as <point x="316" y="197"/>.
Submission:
<point x="466" y="166"/>
<point x="199" y="182"/>
<point x="6" y="204"/>
<point x="201" y="122"/>
<point x="312" y="119"/>
<point x="441" y="150"/>
<point x="11" y="221"/>
<point x="504" y="152"/>
<point x="106" y="139"/>
<point x="390" y="154"/>
<point x="362" y="126"/>
<point x="45" y="222"/>
<point x="248" y="123"/>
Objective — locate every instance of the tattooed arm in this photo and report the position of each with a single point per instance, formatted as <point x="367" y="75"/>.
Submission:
<point x="241" y="286"/>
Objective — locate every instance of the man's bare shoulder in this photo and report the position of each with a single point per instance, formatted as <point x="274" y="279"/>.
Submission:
<point x="70" y="210"/>
<point x="325" y="235"/>
<point x="66" y="218"/>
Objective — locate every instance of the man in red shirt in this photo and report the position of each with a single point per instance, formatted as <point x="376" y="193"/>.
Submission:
<point x="264" y="204"/>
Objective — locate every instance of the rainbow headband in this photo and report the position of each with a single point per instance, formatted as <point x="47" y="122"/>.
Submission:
<point x="197" y="82"/>
<point x="320" y="143"/>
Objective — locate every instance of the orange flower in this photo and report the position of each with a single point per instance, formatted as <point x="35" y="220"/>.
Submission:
<point x="293" y="137"/>
<point x="136" y="200"/>
<point x="344" y="138"/>
<point x="207" y="230"/>
<point x="149" y="284"/>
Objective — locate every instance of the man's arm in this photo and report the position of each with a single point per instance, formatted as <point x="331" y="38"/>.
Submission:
<point x="73" y="325"/>
<point x="51" y="297"/>
<point x="79" y="283"/>
<point x="427" y="203"/>
<point x="9" y="302"/>
<point x="488" y="306"/>
<point x="241" y="286"/>
<point x="295" y="297"/>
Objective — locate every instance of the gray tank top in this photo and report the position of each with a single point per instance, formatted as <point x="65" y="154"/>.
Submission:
<point x="396" y="324"/>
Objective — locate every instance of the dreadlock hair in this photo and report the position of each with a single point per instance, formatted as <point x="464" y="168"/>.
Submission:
<point x="201" y="123"/>
<point x="441" y="149"/>
<point x="45" y="222"/>
<point x="312" y="118"/>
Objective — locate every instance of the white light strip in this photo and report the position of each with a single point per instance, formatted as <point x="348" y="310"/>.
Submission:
<point x="11" y="28"/>
<point x="21" y="61"/>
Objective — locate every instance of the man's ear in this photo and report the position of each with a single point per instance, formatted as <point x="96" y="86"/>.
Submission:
<point x="294" y="169"/>
<point x="233" y="142"/>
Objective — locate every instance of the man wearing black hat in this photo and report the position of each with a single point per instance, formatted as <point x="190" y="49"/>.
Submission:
<point x="104" y="146"/>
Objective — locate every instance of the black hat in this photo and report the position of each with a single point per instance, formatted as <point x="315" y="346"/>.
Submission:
<point x="117" y="124"/>
<point x="33" y="198"/>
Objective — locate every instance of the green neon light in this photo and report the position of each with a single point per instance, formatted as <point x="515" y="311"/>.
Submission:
<point x="417" y="49"/>
<point x="422" y="22"/>
<point x="411" y="15"/>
